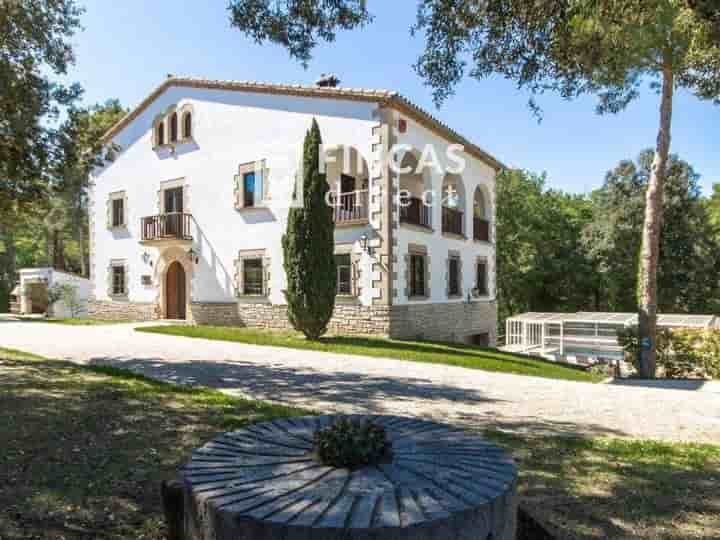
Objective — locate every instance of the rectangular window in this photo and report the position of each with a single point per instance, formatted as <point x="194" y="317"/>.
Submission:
<point x="453" y="276"/>
<point x="118" y="212"/>
<point x="481" y="278"/>
<point x="417" y="275"/>
<point x="249" y="189"/>
<point x="118" y="280"/>
<point x="344" y="274"/>
<point x="253" y="276"/>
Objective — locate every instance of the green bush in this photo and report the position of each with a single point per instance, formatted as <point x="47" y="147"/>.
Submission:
<point x="352" y="444"/>
<point x="680" y="353"/>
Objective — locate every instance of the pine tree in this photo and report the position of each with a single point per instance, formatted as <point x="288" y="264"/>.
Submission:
<point x="308" y="247"/>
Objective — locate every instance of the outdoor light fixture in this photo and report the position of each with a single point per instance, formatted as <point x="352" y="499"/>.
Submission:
<point x="193" y="256"/>
<point x="364" y="244"/>
<point x="146" y="258"/>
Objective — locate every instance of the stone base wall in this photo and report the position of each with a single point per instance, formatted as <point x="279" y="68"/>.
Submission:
<point x="456" y="322"/>
<point x="215" y="313"/>
<point x="348" y="319"/>
<point x="121" y="311"/>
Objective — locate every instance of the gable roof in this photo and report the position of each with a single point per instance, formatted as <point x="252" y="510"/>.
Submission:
<point x="384" y="98"/>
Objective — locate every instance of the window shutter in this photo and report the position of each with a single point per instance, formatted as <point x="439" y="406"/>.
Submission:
<point x="109" y="280"/>
<point x="259" y="186"/>
<point x="108" y="212"/>
<point x="354" y="277"/>
<point x="125" y="211"/>
<point x="239" y="191"/>
<point x="266" y="276"/>
<point x="126" y="275"/>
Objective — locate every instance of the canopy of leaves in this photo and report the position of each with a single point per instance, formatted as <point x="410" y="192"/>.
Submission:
<point x="689" y="250"/>
<point x="34" y="46"/>
<point x="297" y="25"/>
<point x="541" y="265"/>
<point x="603" y="47"/>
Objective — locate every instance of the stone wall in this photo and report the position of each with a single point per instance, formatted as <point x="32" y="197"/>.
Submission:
<point x="121" y="311"/>
<point x="348" y="319"/>
<point x="215" y="313"/>
<point x="456" y="321"/>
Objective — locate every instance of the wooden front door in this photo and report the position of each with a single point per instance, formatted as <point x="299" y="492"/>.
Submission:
<point x="175" y="292"/>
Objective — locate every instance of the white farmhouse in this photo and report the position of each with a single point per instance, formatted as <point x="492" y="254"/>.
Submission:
<point x="187" y="221"/>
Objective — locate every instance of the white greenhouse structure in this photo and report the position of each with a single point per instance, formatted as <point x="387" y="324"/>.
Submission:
<point x="583" y="336"/>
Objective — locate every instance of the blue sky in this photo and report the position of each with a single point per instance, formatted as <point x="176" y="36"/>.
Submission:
<point x="128" y="47"/>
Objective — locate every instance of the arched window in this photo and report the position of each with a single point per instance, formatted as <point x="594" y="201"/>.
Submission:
<point x="173" y="128"/>
<point x="481" y="216"/>
<point x="479" y="208"/>
<point x="453" y="204"/>
<point x="161" y="134"/>
<point x="187" y="125"/>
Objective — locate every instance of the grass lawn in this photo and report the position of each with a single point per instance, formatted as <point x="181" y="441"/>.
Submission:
<point x="84" y="451"/>
<point x="416" y="351"/>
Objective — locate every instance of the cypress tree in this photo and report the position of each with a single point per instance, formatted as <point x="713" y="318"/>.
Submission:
<point x="308" y="248"/>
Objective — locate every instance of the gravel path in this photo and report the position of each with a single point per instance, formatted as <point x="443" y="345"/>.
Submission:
<point x="343" y="383"/>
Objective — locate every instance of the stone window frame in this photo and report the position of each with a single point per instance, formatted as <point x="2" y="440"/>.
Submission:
<point x="454" y="255"/>
<point x="258" y="167"/>
<point x="476" y="290"/>
<point x="173" y="184"/>
<point x="118" y="263"/>
<point x="246" y="254"/>
<point x="112" y="197"/>
<point x="347" y="249"/>
<point x="417" y="250"/>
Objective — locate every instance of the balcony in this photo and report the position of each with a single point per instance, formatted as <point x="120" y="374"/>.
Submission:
<point x="166" y="228"/>
<point x="481" y="229"/>
<point x="350" y="208"/>
<point x="414" y="212"/>
<point x="452" y="221"/>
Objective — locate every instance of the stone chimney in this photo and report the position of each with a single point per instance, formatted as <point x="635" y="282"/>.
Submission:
<point x="327" y="81"/>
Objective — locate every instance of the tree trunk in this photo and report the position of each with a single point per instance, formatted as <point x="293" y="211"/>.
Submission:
<point x="79" y="227"/>
<point x="649" y="254"/>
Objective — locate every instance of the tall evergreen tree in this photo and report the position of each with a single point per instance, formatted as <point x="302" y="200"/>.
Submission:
<point x="308" y="248"/>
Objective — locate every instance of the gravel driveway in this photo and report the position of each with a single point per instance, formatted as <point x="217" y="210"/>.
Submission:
<point x="344" y="383"/>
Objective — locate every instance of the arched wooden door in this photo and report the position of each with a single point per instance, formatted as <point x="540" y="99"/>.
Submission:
<point x="175" y="292"/>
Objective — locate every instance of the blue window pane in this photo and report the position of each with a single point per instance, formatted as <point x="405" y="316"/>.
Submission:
<point x="249" y="183"/>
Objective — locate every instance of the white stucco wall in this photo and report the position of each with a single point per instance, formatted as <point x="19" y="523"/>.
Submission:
<point x="56" y="277"/>
<point x="477" y="173"/>
<point x="230" y="128"/>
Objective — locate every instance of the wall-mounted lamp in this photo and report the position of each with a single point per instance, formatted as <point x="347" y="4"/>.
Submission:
<point x="365" y="245"/>
<point x="193" y="256"/>
<point x="146" y="258"/>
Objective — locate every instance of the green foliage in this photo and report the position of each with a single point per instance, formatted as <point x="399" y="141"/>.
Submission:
<point x="542" y="265"/>
<point x="308" y="248"/>
<point x="681" y="353"/>
<point x="39" y="49"/>
<point x="352" y="444"/>
<point x="297" y="25"/>
<point x="689" y="248"/>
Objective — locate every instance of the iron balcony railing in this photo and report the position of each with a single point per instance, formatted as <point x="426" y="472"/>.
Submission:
<point x="414" y="211"/>
<point x="452" y="221"/>
<point x="481" y="229"/>
<point x="349" y="207"/>
<point x="173" y="226"/>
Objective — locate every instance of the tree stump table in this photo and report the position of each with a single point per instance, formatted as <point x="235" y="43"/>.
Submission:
<point x="264" y="482"/>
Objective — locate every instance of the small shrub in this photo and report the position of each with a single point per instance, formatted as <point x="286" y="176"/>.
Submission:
<point x="604" y="370"/>
<point x="352" y="444"/>
<point x="680" y="352"/>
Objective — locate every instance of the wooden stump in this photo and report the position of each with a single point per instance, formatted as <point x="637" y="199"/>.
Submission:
<point x="263" y="482"/>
